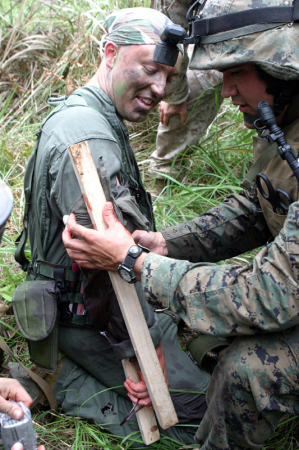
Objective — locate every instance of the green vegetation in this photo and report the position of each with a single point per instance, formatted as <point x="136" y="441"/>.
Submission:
<point x="50" y="47"/>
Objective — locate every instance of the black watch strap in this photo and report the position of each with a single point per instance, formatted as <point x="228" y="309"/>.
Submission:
<point x="125" y="269"/>
<point x="132" y="256"/>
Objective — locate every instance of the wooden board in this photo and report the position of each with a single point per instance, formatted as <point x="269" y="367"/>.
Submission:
<point x="145" y="417"/>
<point x="126" y="294"/>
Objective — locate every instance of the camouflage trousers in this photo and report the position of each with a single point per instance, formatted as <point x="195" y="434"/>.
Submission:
<point x="253" y="384"/>
<point x="202" y="107"/>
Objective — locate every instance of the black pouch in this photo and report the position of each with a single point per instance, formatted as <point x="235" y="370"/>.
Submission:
<point x="35" y="308"/>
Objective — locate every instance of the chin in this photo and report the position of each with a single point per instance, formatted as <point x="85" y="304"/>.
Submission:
<point x="136" y="116"/>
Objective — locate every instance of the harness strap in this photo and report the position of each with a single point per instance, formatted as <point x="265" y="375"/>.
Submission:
<point x="22" y="238"/>
<point x="75" y="298"/>
<point x="45" y="387"/>
<point x="258" y="166"/>
<point x="47" y="271"/>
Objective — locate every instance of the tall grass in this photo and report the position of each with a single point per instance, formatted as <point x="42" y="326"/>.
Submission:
<point x="50" y="48"/>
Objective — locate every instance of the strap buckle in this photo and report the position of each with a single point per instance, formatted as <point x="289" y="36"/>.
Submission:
<point x="65" y="313"/>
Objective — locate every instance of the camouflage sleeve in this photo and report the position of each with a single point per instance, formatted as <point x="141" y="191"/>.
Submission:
<point x="179" y="86"/>
<point x="176" y="10"/>
<point x="230" y="300"/>
<point x="235" y="226"/>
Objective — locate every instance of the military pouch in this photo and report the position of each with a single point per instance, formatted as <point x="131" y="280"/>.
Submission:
<point x="205" y="349"/>
<point x="35" y="308"/>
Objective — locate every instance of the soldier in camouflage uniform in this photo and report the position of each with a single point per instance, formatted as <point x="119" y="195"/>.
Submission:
<point x="257" y="378"/>
<point x="193" y="98"/>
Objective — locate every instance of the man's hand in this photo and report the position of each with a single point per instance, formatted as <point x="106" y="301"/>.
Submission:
<point x="98" y="250"/>
<point x="166" y="111"/>
<point x="19" y="446"/>
<point x="154" y="241"/>
<point x="138" y="391"/>
<point x="11" y="389"/>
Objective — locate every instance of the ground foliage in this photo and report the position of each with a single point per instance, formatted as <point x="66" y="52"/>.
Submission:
<point x="50" y="48"/>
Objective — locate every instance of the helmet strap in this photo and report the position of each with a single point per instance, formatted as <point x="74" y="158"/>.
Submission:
<point x="282" y="98"/>
<point x="280" y="89"/>
<point x="250" y="118"/>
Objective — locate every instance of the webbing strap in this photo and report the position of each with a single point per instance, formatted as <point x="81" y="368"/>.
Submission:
<point x="47" y="271"/>
<point x="226" y="22"/>
<point x="258" y="166"/>
<point x="239" y="32"/>
<point x="80" y="321"/>
<point x="45" y="387"/>
<point x="75" y="298"/>
<point x="28" y="181"/>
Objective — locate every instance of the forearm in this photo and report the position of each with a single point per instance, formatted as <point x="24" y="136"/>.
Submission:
<point x="230" y="229"/>
<point x="179" y="87"/>
<point x="231" y="300"/>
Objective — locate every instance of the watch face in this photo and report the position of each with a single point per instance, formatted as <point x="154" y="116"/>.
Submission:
<point x="134" y="250"/>
<point x="124" y="274"/>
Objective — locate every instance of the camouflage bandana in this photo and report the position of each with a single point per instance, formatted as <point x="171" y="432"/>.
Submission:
<point x="135" y="26"/>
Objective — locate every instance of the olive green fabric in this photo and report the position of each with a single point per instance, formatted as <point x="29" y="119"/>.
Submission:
<point x="280" y="174"/>
<point x="127" y="213"/>
<point x="81" y="386"/>
<point x="93" y="363"/>
<point x="56" y="190"/>
<point x="35" y="308"/>
<point x="200" y="345"/>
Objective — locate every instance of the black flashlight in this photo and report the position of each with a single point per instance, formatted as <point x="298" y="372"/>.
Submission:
<point x="166" y="51"/>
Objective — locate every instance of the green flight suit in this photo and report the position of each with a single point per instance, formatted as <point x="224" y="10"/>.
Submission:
<point x="93" y="364"/>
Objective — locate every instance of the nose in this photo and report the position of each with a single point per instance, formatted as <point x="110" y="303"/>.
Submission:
<point x="158" y="86"/>
<point x="229" y="89"/>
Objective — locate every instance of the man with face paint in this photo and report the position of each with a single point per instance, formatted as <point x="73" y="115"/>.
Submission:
<point x="127" y="85"/>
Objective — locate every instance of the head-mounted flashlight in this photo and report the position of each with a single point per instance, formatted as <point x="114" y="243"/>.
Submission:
<point x="166" y="51"/>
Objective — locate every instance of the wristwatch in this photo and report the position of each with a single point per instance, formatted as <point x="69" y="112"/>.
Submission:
<point x="125" y="270"/>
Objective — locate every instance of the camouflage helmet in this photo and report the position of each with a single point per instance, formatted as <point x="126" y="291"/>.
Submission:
<point x="6" y="202"/>
<point x="261" y="32"/>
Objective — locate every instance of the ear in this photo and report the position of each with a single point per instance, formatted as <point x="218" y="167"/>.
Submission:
<point x="110" y="53"/>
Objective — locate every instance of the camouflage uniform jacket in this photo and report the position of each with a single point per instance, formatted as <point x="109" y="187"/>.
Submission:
<point x="229" y="299"/>
<point x="56" y="190"/>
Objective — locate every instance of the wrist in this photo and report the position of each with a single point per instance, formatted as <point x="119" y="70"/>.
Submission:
<point x="138" y="266"/>
<point x="126" y="269"/>
<point x="162" y="244"/>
